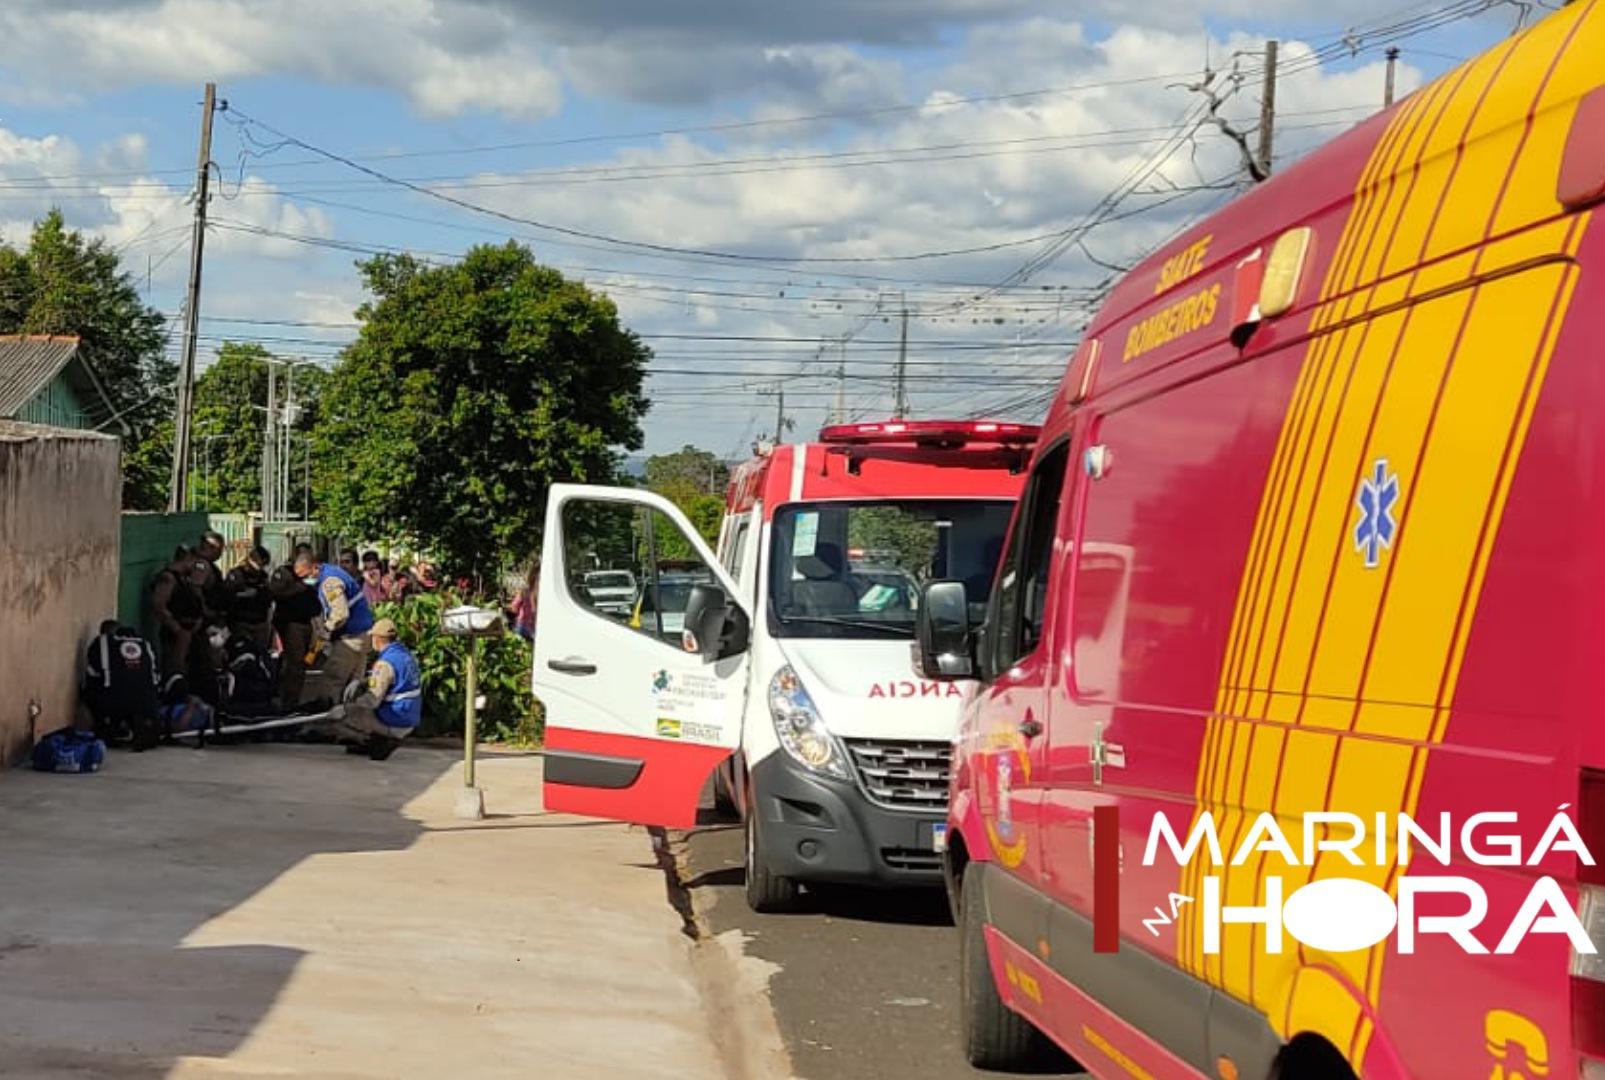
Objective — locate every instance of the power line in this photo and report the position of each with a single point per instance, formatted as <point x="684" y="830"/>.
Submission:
<point x="722" y="166"/>
<point x="636" y="245"/>
<point x="687" y="129"/>
<point x="823" y="161"/>
<point x="446" y="257"/>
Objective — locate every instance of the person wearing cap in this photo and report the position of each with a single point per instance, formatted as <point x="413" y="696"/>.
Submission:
<point x="389" y="708"/>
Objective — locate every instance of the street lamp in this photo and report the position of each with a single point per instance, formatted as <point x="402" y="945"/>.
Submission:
<point x="472" y="623"/>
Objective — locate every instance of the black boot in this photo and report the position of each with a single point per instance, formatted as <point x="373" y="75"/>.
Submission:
<point x="358" y="747"/>
<point x="381" y="747"/>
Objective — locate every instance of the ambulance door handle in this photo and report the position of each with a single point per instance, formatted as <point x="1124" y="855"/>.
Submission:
<point x="576" y="666"/>
<point x="1030" y="728"/>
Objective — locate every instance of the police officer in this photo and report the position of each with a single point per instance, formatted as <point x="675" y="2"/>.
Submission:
<point x="249" y="601"/>
<point x="347" y="620"/>
<point x="209" y="579"/>
<point x="389" y="709"/>
<point x="178" y="610"/>
<point x="295" y="605"/>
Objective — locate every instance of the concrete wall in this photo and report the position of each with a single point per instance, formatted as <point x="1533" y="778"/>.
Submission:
<point x="60" y="493"/>
<point x="148" y="543"/>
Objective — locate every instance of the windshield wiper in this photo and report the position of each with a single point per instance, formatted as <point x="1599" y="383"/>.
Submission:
<point x="900" y="629"/>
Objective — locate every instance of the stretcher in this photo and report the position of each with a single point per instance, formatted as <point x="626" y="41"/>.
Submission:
<point x="226" y="723"/>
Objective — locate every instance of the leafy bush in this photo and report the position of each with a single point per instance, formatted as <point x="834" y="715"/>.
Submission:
<point x="511" y="713"/>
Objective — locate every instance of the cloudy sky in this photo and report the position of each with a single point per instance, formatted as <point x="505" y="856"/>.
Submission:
<point x="763" y="187"/>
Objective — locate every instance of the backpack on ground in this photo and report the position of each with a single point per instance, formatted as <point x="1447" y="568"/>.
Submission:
<point x="69" y="751"/>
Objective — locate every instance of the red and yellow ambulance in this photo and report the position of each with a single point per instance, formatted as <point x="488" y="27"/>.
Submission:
<point x="1289" y="753"/>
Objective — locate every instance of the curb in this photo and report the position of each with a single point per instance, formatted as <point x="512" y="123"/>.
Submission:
<point x="733" y="985"/>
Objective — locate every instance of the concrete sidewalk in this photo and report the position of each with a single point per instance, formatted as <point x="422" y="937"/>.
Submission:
<point x="282" y="910"/>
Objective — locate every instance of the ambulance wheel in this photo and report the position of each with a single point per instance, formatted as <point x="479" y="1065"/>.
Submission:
<point x="1307" y="1056"/>
<point x="995" y="1037"/>
<point x="767" y="892"/>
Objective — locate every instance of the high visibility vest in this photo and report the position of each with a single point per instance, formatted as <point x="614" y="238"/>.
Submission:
<point x="360" y="619"/>
<point x="403" y="704"/>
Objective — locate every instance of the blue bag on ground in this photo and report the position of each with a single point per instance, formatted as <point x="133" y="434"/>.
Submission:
<point x="69" y="751"/>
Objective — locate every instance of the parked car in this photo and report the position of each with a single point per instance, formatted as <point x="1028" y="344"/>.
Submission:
<point x="667" y="600"/>
<point x="611" y="591"/>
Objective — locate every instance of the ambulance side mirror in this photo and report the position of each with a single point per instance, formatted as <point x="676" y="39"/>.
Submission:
<point x="942" y="628"/>
<point x="714" y="628"/>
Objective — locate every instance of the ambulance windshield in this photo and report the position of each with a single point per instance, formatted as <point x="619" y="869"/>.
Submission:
<point x="855" y="569"/>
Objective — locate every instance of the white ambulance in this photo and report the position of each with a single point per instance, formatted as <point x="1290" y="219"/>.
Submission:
<point x="793" y="672"/>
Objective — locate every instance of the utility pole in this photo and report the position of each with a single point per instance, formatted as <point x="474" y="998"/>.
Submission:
<point x="192" y="310"/>
<point x="269" y="445"/>
<point x="780" y="414"/>
<point x="841" y="382"/>
<point x="1267" y="110"/>
<point x="288" y="427"/>
<point x="1387" y="87"/>
<point x="900" y="409"/>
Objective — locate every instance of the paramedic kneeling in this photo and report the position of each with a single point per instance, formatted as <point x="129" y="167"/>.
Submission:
<point x="391" y="706"/>
<point x="347" y="621"/>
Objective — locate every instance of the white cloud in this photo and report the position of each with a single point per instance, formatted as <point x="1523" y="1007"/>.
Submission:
<point x="1033" y="186"/>
<point x="248" y="213"/>
<point x="443" y="57"/>
<point x="449" y="56"/>
<point x="146" y="219"/>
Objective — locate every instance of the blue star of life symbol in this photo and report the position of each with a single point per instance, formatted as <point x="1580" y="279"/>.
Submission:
<point x="1377" y="525"/>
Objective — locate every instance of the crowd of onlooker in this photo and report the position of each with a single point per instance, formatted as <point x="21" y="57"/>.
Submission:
<point x="382" y="582"/>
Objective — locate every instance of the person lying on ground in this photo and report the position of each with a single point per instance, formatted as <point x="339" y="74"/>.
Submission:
<point x="182" y="711"/>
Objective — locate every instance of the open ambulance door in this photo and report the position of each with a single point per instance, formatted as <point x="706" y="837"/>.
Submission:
<point x="639" y="708"/>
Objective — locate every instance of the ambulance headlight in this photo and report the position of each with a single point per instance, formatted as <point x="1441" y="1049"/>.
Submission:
<point x="801" y="730"/>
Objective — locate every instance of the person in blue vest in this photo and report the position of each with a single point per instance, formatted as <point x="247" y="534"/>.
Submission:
<point x="347" y="624"/>
<point x="389" y="708"/>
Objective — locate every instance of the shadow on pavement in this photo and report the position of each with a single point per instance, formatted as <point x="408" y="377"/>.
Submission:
<point x="109" y="879"/>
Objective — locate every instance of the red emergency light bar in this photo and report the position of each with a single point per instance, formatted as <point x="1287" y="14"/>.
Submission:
<point x="944" y="433"/>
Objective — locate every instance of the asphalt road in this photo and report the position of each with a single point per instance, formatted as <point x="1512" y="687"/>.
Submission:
<point x="867" y="984"/>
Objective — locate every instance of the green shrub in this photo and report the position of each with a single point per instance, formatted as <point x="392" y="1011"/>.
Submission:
<point x="511" y="713"/>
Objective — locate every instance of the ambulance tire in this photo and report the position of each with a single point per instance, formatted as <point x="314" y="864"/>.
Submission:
<point x="995" y="1037"/>
<point x="1307" y="1056"/>
<point x="767" y="892"/>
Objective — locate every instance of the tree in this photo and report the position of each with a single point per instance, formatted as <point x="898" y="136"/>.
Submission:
<point x="906" y="539"/>
<point x="469" y="391"/>
<point x="694" y="480"/>
<point x="230" y="404"/>
<point x="64" y="283"/>
<point x="687" y="469"/>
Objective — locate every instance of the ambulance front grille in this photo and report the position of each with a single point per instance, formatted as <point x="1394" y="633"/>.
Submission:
<point x="901" y="774"/>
